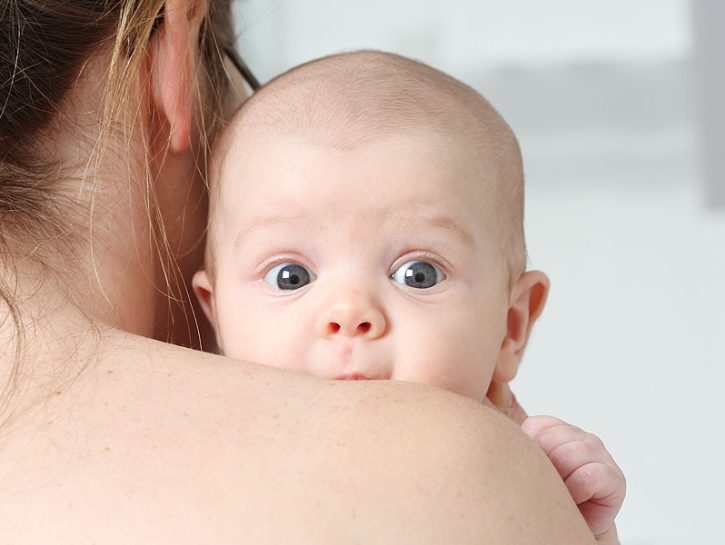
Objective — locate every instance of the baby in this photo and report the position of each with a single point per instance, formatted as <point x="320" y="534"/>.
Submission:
<point x="366" y="222"/>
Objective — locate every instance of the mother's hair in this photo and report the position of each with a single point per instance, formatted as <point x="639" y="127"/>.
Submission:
<point x="45" y="46"/>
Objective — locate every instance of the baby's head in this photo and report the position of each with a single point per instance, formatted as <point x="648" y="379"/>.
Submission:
<point x="366" y="222"/>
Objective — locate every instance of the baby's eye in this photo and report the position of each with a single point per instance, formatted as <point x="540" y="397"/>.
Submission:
<point x="418" y="274"/>
<point x="288" y="276"/>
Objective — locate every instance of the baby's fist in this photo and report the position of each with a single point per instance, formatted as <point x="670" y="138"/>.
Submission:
<point x="589" y="472"/>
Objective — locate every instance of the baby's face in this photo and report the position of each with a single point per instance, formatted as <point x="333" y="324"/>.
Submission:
<point x="376" y="262"/>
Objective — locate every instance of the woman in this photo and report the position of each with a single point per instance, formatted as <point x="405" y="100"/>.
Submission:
<point x="108" y="436"/>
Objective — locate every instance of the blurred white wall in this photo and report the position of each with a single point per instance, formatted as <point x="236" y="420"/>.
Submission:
<point x="458" y="34"/>
<point x="602" y="97"/>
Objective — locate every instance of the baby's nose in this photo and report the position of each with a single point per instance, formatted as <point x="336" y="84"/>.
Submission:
<point x="352" y="316"/>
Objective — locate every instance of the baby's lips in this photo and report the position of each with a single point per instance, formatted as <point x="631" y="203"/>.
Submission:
<point x="347" y="359"/>
<point x="353" y="376"/>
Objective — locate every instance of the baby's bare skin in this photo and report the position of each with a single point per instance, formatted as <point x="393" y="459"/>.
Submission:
<point x="589" y="472"/>
<point x="382" y="259"/>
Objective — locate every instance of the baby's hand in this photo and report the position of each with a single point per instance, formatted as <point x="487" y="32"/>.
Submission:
<point x="589" y="472"/>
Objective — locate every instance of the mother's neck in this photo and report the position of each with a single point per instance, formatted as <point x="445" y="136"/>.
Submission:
<point x="123" y="242"/>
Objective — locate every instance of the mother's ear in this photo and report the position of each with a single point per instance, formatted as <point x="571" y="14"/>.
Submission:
<point x="173" y="66"/>
<point x="527" y="300"/>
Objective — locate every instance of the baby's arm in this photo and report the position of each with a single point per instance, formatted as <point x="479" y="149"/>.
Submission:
<point x="589" y="472"/>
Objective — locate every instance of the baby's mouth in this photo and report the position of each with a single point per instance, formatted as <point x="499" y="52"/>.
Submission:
<point x="347" y="360"/>
<point x="353" y="376"/>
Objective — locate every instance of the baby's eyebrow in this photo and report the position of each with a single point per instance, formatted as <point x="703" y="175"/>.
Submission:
<point x="433" y="219"/>
<point x="409" y="214"/>
<point x="449" y="224"/>
<point x="266" y="222"/>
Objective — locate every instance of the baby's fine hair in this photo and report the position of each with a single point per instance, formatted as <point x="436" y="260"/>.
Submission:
<point x="349" y="99"/>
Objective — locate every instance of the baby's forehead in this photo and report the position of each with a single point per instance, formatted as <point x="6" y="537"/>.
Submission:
<point x="349" y="101"/>
<point x="256" y="158"/>
<point x="405" y="176"/>
<point x="262" y="136"/>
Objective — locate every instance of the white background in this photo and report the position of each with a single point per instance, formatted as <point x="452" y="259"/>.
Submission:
<point x="602" y="97"/>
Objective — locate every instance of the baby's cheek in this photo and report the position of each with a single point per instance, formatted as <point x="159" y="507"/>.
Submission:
<point x="452" y="354"/>
<point x="252" y="333"/>
<point x="266" y="344"/>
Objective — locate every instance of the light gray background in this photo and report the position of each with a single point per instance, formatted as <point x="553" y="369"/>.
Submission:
<point x="603" y="98"/>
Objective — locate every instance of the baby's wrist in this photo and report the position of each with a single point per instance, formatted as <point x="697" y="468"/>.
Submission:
<point x="515" y="411"/>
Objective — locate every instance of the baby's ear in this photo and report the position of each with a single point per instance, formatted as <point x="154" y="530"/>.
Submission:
<point x="204" y="292"/>
<point x="528" y="297"/>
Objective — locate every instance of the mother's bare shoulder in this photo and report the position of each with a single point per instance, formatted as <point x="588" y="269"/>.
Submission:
<point x="160" y="444"/>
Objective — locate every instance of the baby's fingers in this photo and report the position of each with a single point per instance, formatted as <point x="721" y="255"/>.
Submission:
<point x="567" y="446"/>
<point x="534" y="426"/>
<point x="551" y="433"/>
<point x="570" y="449"/>
<point x="591" y="475"/>
<point x="598" y="489"/>
<point x="589" y="471"/>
